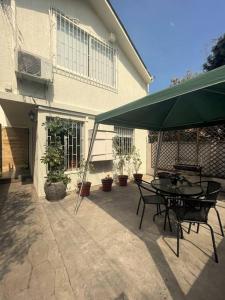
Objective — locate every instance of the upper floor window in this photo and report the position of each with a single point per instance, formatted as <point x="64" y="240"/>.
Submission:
<point x="124" y="139"/>
<point x="83" y="54"/>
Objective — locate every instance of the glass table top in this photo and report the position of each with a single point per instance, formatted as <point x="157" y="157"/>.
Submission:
<point x="180" y="188"/>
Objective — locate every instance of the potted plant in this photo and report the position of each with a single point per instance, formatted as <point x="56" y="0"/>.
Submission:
<point x="85" y="192"/>
<point x="136" y="159"/>
<point x="120" y="160"/>
<point x="56" y="181"/>
<point x="107" y="184"/>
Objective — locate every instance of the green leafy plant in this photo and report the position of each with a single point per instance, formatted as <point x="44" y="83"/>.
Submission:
<point x="53" y="157"/>
<point x="83" y="165"/>
<point x="136" y="159"/>
<point x="121" y="158"/>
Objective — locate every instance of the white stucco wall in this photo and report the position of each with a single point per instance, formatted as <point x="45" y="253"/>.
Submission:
<point x="33" y="33"/>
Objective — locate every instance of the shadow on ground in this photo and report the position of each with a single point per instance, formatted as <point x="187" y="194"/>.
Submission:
<point x="16" y="211"/>
<point x="206" y="280"/>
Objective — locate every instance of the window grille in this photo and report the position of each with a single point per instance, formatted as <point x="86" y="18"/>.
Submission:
<point x="124" y="139"/>
<point x="71" y="140"/>
<point x="83" y="54"/>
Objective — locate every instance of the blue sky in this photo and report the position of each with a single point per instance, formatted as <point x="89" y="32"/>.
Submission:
<point x="172" y="36"/>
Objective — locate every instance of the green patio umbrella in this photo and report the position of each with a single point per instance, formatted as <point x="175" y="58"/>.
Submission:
<point x="198" y="102"/>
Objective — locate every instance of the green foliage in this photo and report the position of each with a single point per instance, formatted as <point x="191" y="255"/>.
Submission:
<point x="53" y="157"/>
<point x="57" y="176"/>
<point x="121" y="158"/>
<point x="217" y="56"/>
<point x="187" y="76"/>
<point x="84" y="166"/>
<point x="136" y="159"/>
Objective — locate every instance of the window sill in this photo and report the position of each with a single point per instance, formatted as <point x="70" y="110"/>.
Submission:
<point x="68" y="73"/>
<point x="70" y="172"/>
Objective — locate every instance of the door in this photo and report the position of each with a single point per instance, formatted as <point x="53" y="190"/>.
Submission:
<point x="15" y="150"/>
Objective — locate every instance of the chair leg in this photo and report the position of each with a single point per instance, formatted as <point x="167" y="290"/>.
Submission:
<point x="198" y="226"/>
<point x="181" y="232"/>
<point x="143" y="212"/>
<point x="218" y="216"/>
<point x="138" y="206"/>
<point x="178" y="239"/>
<point x="168" y="216"/>
<point x="189" y="228"/>
<point x="214" y="244"/>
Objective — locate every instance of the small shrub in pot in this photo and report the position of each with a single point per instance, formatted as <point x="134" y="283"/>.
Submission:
<point x="85" y="192"/>
<point x="121" y="159"/>
<point x="56" y="180"/>
<point x="136" y="160"/>
<point x="107" y="184"/>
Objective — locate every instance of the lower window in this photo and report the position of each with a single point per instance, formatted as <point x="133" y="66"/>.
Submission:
<point x="70" y="137"/>
<point x="124" y="139"/>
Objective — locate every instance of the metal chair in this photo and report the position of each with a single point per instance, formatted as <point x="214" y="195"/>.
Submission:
<point x="164" y="175"/>
<point x="154" y="198"/>
<point x="211" y="191"/>
<point x="194" y="211"/>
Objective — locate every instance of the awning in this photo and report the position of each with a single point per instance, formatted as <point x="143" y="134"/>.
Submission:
<point x="197" y="102"/>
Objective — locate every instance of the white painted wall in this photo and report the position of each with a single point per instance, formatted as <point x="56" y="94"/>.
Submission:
<point x="33" y="33"/>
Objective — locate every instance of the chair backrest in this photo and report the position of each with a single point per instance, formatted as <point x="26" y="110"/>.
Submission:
<point x="164" y="175"/>
<point x="195" y="209"/>
<point x="144" y="186"/>
<point x="213" y="189"/>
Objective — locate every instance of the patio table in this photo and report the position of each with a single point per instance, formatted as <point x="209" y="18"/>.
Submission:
<point x="181" y="188"/>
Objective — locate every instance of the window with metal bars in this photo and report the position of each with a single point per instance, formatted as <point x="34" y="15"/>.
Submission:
<point x="71" y="139"/>
<point x="83" y="54"/>
<point x="124" y="139"/>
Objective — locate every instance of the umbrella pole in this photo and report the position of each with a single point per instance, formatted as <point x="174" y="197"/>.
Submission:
<point x="159" y="145"/>
<point x="79" y="199"/>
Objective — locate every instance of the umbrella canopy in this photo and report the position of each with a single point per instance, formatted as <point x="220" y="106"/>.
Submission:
<point x="197" y="102"/>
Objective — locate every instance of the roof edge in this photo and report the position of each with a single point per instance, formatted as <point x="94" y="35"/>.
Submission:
<point x="129" y="38"/>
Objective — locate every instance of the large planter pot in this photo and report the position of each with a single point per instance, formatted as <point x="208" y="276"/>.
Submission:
<point x="55" y="190"/>
<point x="85" y="192"/>
<point x="122" y="180"/>
<point x="107" y="184"/>
<point x="137" y="177"/>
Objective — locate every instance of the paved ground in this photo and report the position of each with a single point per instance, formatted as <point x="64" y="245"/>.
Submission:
<point x="46" y="252"/>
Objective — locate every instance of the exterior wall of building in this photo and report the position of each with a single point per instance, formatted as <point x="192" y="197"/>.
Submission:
<point x="32" y="29"/>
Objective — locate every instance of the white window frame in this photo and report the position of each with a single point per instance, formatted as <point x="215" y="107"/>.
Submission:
<point x="106" y="75"/>
<point x="126" y="139"/>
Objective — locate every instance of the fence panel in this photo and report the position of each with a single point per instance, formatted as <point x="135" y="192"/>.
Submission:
<point x="204" y="146"/>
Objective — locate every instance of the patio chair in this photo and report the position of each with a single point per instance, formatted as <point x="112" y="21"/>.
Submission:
<point x="194" y="211"/>
<point x="164" y="175"/>
<point x="154" y="199"/>
<point x="211" y="191"/>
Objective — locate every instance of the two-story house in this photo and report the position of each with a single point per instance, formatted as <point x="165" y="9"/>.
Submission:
<point x="71" y="59"/>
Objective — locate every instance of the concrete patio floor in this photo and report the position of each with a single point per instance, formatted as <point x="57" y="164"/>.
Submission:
<point x="46" y="252"/>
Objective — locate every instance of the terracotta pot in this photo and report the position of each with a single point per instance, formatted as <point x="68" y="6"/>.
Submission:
<point x="122" y="180"/>
<point x="137" y="177"/>
<point x="107" y="184"/>
<point x="55" y="190"/>
<point x="85" y="189"/>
